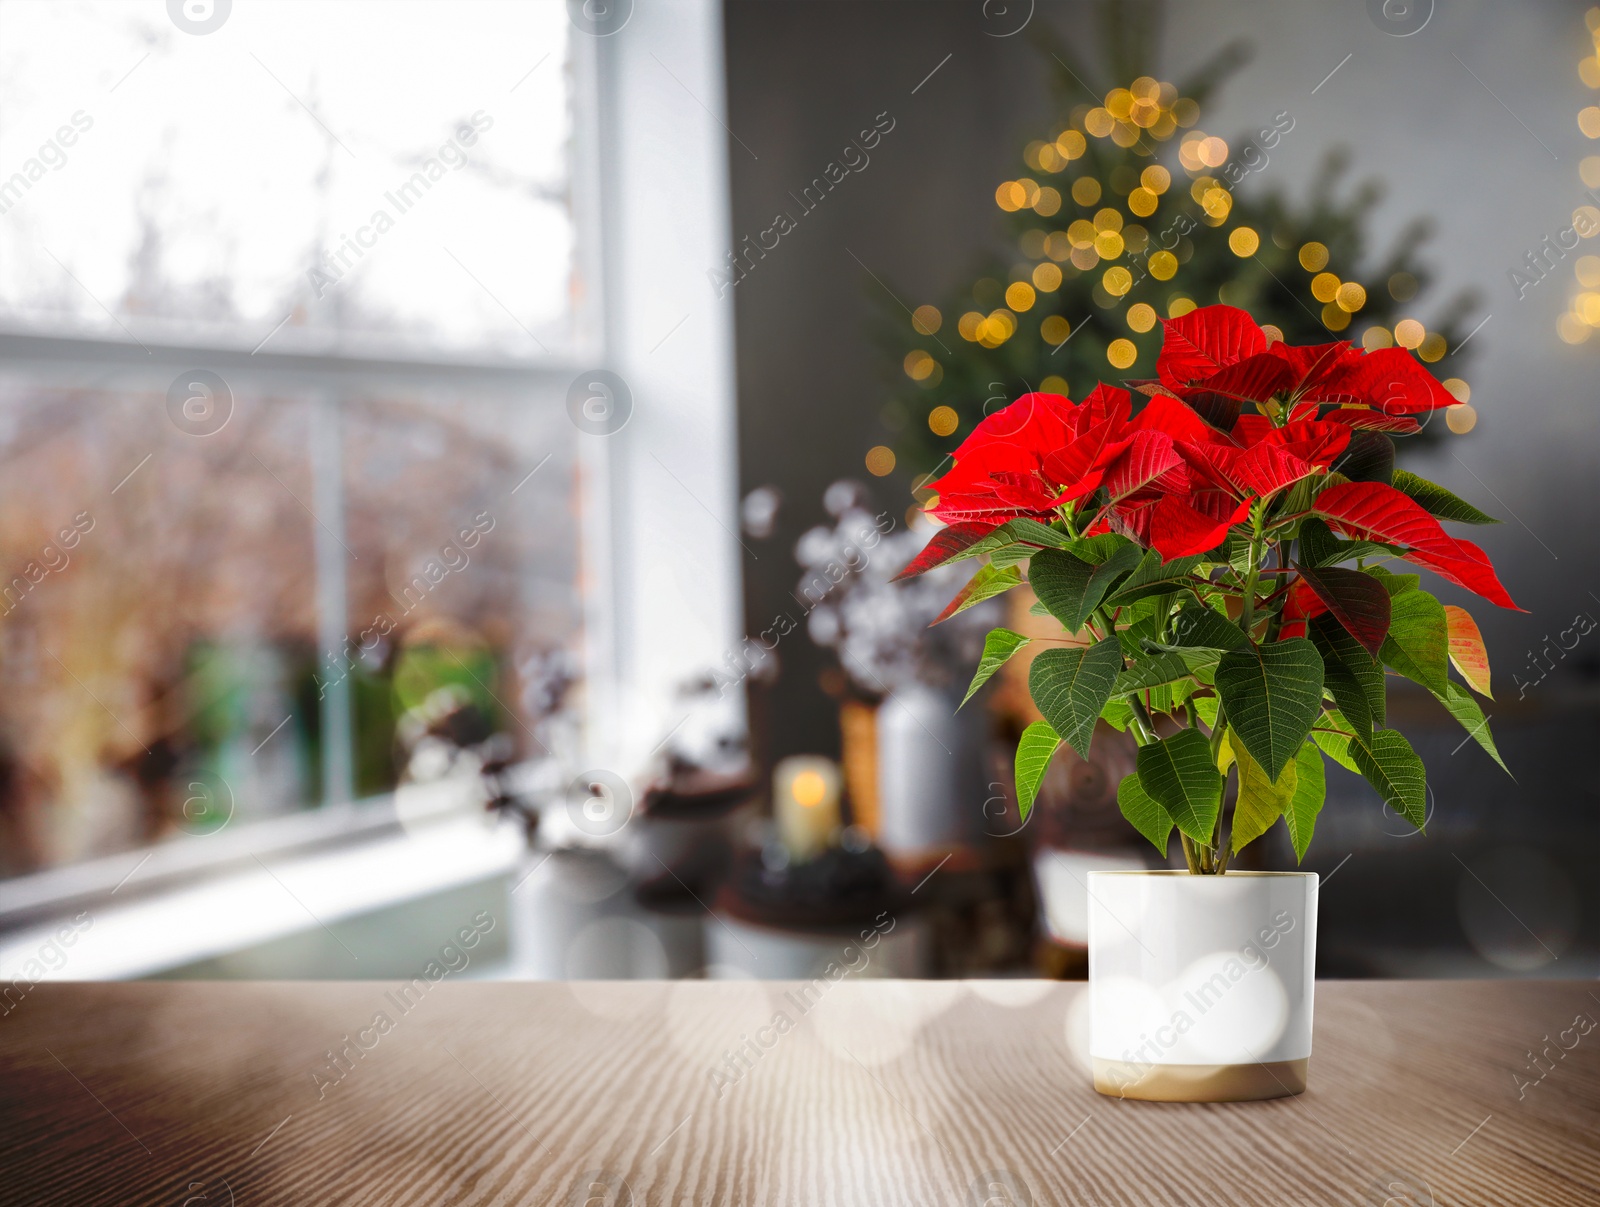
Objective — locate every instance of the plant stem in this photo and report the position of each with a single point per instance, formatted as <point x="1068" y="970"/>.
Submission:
<point x="1189" y="855"/>
<point x="1247" y="613"/>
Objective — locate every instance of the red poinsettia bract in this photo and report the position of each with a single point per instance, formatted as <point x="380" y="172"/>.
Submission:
<point x="1232" y="420"/>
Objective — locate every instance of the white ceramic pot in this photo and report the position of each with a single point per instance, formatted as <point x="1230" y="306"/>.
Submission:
<point x="1200" y="987"/>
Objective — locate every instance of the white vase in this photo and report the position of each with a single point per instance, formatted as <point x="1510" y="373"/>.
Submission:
<point x="930" y="773"/>
<point x="1200" y="987"/>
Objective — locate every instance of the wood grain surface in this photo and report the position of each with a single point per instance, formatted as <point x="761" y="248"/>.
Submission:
<point x="874" y="1092"/>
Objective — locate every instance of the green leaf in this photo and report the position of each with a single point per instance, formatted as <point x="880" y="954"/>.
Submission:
<point x="988" y="582"/>
<point x="1153" y="670"/>
<point x="1418" y="644"/>
<point x="1097" y="549"/>
<point x="1262" y="800"/>
<point x="1319" y="547"/>
<point x="1438" y="501"/>
<point x="998" y="646"/>
<point x="1034" y="752"/>
<point x="1061" y="581"/>
<point x="1396" y="584"/>
<point x="1070" y="687"/>
<point x="1199" y="627"/>
<point x="1273" y="694"/>
<point x="1152" y="575"/>
<point x="1117" y="713"/>
<point x="1107" y="573"/>
<point x="1311" y="788"/>
<point x="1148" y="817"/>
<point x="1178" y="774"/>
<point x="1393" y="768"/>
<point x="1352" y="676"/>
<point x="1336" y="745"/>
<point x="1024" y="536"/>
<point x="1465" y="709"/>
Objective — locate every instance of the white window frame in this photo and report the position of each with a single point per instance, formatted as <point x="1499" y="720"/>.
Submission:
<point x="658" y="541"/>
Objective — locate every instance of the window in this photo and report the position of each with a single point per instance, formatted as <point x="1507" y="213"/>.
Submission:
<point x="288" y="312"/>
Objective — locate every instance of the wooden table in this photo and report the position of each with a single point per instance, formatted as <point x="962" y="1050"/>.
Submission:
<point x="869" y="1092"/>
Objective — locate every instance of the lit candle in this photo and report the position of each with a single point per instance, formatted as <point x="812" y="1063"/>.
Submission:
<point x="805" y="802"/>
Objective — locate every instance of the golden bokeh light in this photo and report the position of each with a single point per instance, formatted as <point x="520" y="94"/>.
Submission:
<point x="1325" y="286"/>
<point x="1314" y="257"/>
<point x="1081" y="233"/>
<point x="1054" y="384"/>
<point x="1019" y="296"/>
<point x="1273" y="333"/>
<point x="942" y="421"/>
<point x="926" y="320"/>
<point x="1178" y="306"/>
<point x="1589" y="171"/>
<point x="1121" y="353"/>
<point x="1047" y="203"/>
<point x="1588" y="270"/>
<point x="1586" y="219"/>
<point x="1163" y="265"/>
<point x="1185" y="111"/>
<point x="1409" y="333"/>
<point x="1030" y="190"/>
<point x="1155" y="179"/>
<point x="1351" y="297"/>
<point x="1141" y="316"/>
<point x="1403" y="286"/>
<point x="1142" y="202"/>
<point x="1108" y="245"/>
<point x="1117" y="281"/>
<point x="1054" y="329"/>
<point x="1572" y="329"/>
<point x="918" y="365"/>
<point x="1046" y="277"/>
<point x="1057" y="246"/>
<point x="1461" y="419"/>
<point x="1374" y="338"/>
<point x="1335" y="319"/>
<point x="1107" y="220"/>
<point x="1010" y="196"/>
<point x="1084" y="258"/>
<point x="1243" y="241"/>
<point x="1589" y="121"/>
<point x="1071" y="144"/>
<point x="1086" y="190"/>
<point x="1589" y="71"/>
<point x="1459" y="390"/>
<point x="1433" y="348"/>
<point x="880" y="463"/>
<point x="1098" y="122"/>
<point x="967" y="325"/>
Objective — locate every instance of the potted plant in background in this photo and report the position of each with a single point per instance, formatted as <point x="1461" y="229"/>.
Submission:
<point x="1219" y="563"/>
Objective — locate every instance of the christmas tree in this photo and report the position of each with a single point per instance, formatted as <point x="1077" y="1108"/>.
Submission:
<point x="1127" y="211"/>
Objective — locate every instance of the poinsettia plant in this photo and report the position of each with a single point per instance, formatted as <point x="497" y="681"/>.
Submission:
<point x="1220" y="563"/>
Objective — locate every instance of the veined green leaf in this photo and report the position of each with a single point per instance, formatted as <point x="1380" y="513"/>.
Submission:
<point x="1024" y="535"/>
<point x="1097" y="549"/>
<point x="1273" y="693"/>
<point x="1332" y="736"/>
<point x="1109" y="572"/>
<point x="1262" y="800"/>
<point x="1311" y="788"/>
<point x="1034" y="752"/>
<point x="1352" y="676"/>
<point x="1148" y="817"/>
<point x="1178" y="774"/>
<point x="1418" y="643"/>
<point x="1117" y="713"/>
<point x="998" y="646"/>
<point x="1397" y="584"/>
<point x="1465" y="709"/>
<point x="1393" y="768"/>
<point x="988" y="582"/>
<point x="1200" y="627"/>
<point x="1438" y="501"/>
<point x="1154" y="575"/>
<point x="1153" y="670"/>
<point x="1071" y="686"/>
<point x="1061" y="581"/>
<point x="1319" y="547"/>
